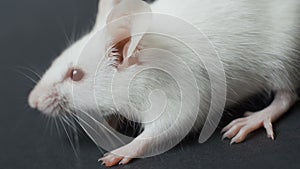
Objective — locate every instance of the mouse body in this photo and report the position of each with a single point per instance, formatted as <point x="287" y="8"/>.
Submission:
<point x="256" y="43"/>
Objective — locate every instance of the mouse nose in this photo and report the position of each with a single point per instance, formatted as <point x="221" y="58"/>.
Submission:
<point x="33" y="103"/>
<point x="33" y="100"/>
<point x="35" y="96"/>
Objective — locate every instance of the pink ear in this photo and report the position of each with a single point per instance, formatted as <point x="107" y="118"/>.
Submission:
<point x="126" y="21"/>
<point x="104" y="8"/>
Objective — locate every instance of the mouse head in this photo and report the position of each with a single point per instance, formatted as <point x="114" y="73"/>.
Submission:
<point x="69" y="84"/>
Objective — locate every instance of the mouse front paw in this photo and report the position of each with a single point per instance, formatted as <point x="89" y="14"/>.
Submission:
<point x="125" y="154"/>
<point x="110" y="159"/>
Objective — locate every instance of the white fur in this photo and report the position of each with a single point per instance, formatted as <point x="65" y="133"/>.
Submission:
<point x="256" y="41"/>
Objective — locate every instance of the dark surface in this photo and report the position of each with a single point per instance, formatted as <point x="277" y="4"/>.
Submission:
<point x="32" y="33"/>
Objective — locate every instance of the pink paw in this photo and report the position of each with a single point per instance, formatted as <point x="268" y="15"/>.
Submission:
<point x="238" y="129"/>
<point x="123" y="155"/>
<point x="110" y="159"/>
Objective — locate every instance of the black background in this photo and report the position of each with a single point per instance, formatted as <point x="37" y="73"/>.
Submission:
<point x="32" y="34"/>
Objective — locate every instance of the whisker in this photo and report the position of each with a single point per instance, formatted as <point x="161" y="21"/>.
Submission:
<point x="106" y="132"/>
<point x="31" y="70"/>
<point x="72" y="123"/>
<point x="27" y="76"/>
<point x="59" y="132"/>
<point x="57" y="128"/>
<point x="69" y="138"/>
<point x="51" y="125"/>
<point x="101" y="126"/>
<point x="67" y="122"/>
<point x="66" y="119"/>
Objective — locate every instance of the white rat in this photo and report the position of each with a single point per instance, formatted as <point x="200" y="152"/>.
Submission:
<point x="256" y="41"/>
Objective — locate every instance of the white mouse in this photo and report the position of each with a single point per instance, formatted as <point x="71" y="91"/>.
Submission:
<point x="256" y="41"/>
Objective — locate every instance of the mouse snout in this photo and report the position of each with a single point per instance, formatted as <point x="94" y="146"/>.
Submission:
<point x="33" y="99"/>
<point x="33" y="104"/>
<point x="34" y="96"/>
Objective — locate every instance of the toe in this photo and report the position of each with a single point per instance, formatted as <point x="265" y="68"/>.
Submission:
<point x="125" y="161"/>
<point x="232" y="131"/>
<point x="230" y="125"/>
<point x="110" y="160"/>
<point x="242" y="134"/>
<point x="269" y="128"/>
<point x="238" y="138"/>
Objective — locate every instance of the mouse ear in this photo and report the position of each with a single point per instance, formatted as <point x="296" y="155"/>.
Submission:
<point x="126" y="24"/>
<point x="104" y="8"/>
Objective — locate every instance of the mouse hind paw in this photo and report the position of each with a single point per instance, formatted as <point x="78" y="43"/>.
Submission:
<point x="238" y="129"/>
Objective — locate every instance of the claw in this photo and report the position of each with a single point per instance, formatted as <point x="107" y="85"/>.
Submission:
<point x="232" y="142"/>
<point x="223" y="137"/>
<point x="125" y="161"/>
<point x="111" y="160"/>
<point x="223" y="130"/>
<point x="231" y="132"/>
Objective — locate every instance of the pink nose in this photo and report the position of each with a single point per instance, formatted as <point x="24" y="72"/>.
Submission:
<point x="33" y="99"/>
<point x="33" y="104"/>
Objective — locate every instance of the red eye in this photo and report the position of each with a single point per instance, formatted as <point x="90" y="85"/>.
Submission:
<point x="76" y="74"/>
